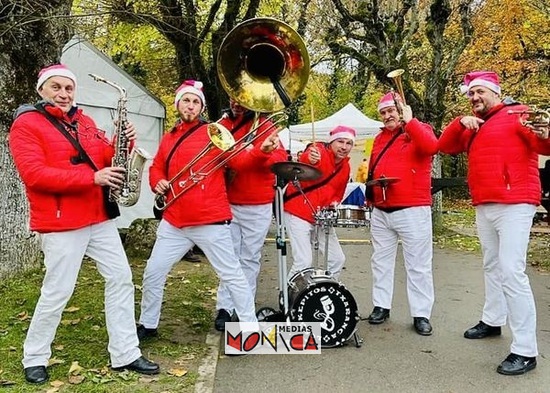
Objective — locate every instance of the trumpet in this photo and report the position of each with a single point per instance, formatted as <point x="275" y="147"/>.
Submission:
<point x="396" y="76"/>
<point x="535" y="119"/>
<point x="262" y="64"/>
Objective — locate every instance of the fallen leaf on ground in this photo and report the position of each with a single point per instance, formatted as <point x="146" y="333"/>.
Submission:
<point x="177" y="372"/>
<point x="23" y="315"/>
<point x="76" y="379"/>
<point x="75" y="368"/>
<point x="72" y="309"/>
<point x="53" y="361"/>
<point x="57" y="383"/>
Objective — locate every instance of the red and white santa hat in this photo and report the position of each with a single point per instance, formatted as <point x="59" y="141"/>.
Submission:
<point x="54" y="70"/>
<point x="488" y="79"/>
<point x="342" y="132"/>
<point x="388" y="100"/>
<point x="190" y="86"/>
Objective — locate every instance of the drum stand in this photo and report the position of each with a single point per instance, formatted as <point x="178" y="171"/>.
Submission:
<point x="327" y="219"/>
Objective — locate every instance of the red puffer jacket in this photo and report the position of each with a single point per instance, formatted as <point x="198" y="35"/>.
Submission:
<point x="206" y="202"/>
<point x="502" y="157"/>
<point x="321" y="197"/>
<point x="251" y="181"/>
<point x="62" y="196"/>
<point x="409" y="158"/>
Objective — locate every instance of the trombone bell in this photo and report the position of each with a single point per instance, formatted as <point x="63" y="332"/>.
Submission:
<point x="220" y="136"/>
<point x="255" y="57"/>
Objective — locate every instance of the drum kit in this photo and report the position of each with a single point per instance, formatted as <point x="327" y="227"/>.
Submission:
<point x="313" y="294"/>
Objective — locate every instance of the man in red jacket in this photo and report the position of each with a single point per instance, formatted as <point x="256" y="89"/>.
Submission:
<point x="403" y="150"/>
<point x="504" y="183"/>
<point x="201" y="216"/>
<point x="67" y="210"/>
<point x="251" y="190"/>
<point x="331" y="159"/>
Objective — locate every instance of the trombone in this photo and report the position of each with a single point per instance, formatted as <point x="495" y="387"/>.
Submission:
<point x="263" y="64"/>
<point x="221" y="138"/>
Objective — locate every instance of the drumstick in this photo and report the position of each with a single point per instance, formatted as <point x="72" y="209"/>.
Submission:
<point x="312" y="126"/>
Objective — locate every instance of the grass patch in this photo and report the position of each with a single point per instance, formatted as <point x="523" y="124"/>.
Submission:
<point x="79" y="352"/>
<point x="458" y="233"/>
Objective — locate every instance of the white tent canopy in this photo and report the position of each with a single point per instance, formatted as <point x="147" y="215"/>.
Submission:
<point x="348" y="116"/>
<point x="99" y="100"/>
<point x="291" y="144"/>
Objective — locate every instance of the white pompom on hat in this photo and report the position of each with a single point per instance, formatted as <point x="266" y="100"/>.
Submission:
<point x="342" y="132"/>
<point x="190" y="86"/>
<point x="54" y="70"/>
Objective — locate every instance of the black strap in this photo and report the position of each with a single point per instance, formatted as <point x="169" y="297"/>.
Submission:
<point x="111" y="207"/>
<point x="249" y="115"/>
<point x="507" y="102"/>
<point x="57" y="124"/>
<point x="179" y="141"/>
<point x="371" y="169"/>
<point x="312" y="187"/>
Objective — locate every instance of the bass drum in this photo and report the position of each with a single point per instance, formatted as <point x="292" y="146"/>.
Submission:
<point x="315" y="296"/>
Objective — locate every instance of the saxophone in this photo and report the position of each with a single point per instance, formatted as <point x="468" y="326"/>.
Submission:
<point x="133" y="162"/>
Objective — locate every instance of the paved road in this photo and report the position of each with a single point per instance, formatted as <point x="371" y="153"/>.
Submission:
<point x="393" y="357"/>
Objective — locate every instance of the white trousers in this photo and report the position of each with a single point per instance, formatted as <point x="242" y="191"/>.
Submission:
<point x="248" y="230"/>
<point x="63" y="253"/>
<point x="300" y="234"/>
<point x="171" y="245"/>
<point x="504" y="235"/>
<point x="414" y="227"/>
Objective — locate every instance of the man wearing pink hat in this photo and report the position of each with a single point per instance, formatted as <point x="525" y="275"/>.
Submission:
<point x="331" y="158"/>
<point x="65" y="162"/>
<point x="505" y="187"/>
<point x="200" y="216"/>
<point x="400" y="195"/>
<point x="250" y="191"/>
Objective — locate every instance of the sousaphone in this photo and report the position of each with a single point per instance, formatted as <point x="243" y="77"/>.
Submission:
<point x="263" y="64"/>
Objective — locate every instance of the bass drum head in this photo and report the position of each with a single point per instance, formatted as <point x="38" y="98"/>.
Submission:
<point x="326" y="301"/>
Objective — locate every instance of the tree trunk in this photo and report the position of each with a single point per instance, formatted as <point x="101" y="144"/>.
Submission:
<point x="25" y="47"/>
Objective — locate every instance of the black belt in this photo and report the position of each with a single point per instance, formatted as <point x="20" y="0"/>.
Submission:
<point x="224" y="222"/>
<point x="391" y="209"/>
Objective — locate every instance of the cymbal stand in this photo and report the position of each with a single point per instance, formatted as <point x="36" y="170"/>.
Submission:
<point x="280" y="241"/>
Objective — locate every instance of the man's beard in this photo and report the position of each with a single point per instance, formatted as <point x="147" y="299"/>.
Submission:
<point x="188" y="117"/>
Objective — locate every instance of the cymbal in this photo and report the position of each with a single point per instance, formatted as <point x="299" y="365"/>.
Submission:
<point x="383" y="181"/>
<point x="295" y="171"/>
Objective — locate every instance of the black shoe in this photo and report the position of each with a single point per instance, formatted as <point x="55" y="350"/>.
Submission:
<point x="36" y="374"/>
<point x="516" y="365"/>
<point x="378" y="315"/>
<point x="144" y="333"/>
<point x="221" y="319"/>
<point x="191" y="257"/>
<point x="140" y="365"/>
<point x="482" y="330"/>
<point x="422" y="326"/>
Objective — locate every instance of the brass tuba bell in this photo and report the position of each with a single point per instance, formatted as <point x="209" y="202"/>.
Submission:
<point x="263" y="64"/>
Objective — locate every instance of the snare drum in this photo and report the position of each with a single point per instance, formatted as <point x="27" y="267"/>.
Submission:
<point x="315" y="296"/>
<point x="352" y="216"/>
